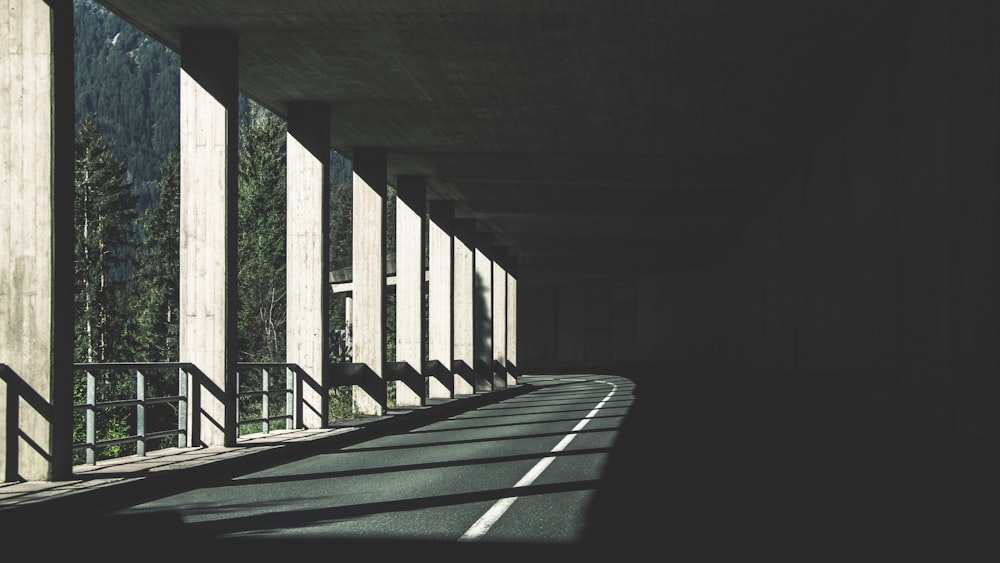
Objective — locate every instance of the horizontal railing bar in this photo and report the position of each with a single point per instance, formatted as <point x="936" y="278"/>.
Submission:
<point x="133" y="365"/>
<point x="109" y="404"/>
<point x="109" y="442"/>
<point x="244" y="394"/>
<point x="130" y="402"/>
<point x="257" y="420"/>
<point x="163" y="433"/>
<point x="161" y="400"/>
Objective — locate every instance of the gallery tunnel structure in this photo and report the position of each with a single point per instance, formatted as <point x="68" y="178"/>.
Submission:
<point x="801" y="192"/>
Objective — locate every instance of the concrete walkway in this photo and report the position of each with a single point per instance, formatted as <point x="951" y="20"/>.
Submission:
<point x="131" y="468"/>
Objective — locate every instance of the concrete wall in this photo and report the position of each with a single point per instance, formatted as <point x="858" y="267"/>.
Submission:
<point x="590" y="325"/>
<point x="873" y="270"/>
<point x="871" y="273"/>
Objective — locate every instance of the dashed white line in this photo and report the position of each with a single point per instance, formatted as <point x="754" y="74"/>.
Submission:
<point x="486" y="521"/>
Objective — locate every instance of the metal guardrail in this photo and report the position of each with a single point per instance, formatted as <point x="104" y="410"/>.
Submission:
<point x="265" y="416"/>
<point x="265" y="394"/>
<point x="139" y="370"/>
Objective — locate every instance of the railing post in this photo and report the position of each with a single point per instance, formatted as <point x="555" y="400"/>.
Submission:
<point x="91" y="414"/>
<point x="140" y="413"/>
<point x="265" y="404"/>
<point x="182" y="407"/>
<point x="291" y="400"/>
<point x="299" y="381"/>
<point x="237" y="401"/>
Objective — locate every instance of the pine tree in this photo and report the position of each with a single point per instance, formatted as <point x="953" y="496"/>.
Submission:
<point x="129" y="85"/>
<point x="261" y="237"/>
<point x="104" y="223"/>
<point x="341" y="202"/>
<point x="157" y="293"/>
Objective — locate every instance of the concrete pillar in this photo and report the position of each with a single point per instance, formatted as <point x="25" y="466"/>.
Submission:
<point x="499" y="287"/>
<point x="483" y="312"/>
<point x="349" y="324"/>
<point x="36" y="240"/>
<point x="411" y="209"/>
<point x="512" y="371"/>
<point x="440" y="318"/>
<point x="208" y="290"/>
<point x="368" y="308"/>
<point x="307" y="251"/>
<point x="464" y="350"/>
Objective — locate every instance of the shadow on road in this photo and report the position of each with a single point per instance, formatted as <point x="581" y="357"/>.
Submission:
<point x="720" y="465"/>
<point x="704" y="467"/>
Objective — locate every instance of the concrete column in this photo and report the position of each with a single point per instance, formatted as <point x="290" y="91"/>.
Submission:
<point x="499" y="287"/>
<point x="483" y="312"/>
<point x="348" y="323"/>
<point x="411" y="209"/>
<point x="440" y="318"/>
<point x="512" y="371"/>
<point x="368" y="308"/>
<point x="208" y="290"/>
<point x="307" y="251"/>
<point x="464" y="359"/>
<point x="36" y="240"/>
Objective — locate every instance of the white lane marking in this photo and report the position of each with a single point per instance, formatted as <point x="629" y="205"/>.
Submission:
<point x="486" y="521"/>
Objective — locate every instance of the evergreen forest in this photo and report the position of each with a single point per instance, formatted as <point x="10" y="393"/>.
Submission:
<point x="127" y="198"/>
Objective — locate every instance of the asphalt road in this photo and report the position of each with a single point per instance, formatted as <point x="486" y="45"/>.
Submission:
<point x="516" y="474"/>
<point x="662" y="464"/>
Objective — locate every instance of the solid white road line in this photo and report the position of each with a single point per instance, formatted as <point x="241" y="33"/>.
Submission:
<point x="486" y="521"/>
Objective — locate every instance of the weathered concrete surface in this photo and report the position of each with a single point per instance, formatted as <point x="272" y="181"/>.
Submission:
<point x="511" y="360"/>
<point x="307" y="251"/>
<point x="440" y="292"/>
<point x="618" y="130"/>
<point x="368" y="307"/>
<point x="464" y="359"/>
<point x="499" y="306"/>
<point x="36" y="239"/>
<point x="482" y="303"/>
<point x="411" y="209"/>
<point x="208" y="218"/>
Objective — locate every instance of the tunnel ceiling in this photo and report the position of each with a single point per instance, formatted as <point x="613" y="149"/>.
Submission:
<point x="593" y="138"/>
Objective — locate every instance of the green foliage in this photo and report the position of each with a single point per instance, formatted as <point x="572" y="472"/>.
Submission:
<point x="156" y="281"/>
<point x="104" y="246"/>
<point x="261" y="237"/>
<point x="341" y="202"/>
<point x="390" y="295"/>
<point x="103" y="222"/>
<point x="129" y="85"/>
<point x="342" y="403"/>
